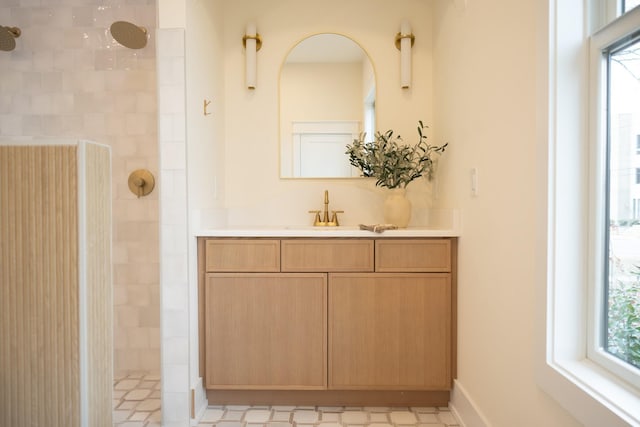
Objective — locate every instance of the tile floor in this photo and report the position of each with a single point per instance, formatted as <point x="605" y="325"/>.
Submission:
<point x="321" y="416"/>
<point x="136" y="400"/>
<point x="136" y="403"/>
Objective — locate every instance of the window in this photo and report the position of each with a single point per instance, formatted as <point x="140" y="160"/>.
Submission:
<point x="627" y="5"/>
<point x="576" y="367"/>
<point x="620" y="282"/>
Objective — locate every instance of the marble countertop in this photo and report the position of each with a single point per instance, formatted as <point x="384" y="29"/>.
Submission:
<point x="309" y="231"/>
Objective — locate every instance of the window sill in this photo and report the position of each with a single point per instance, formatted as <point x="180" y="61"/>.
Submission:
<point x="591" y="394"/>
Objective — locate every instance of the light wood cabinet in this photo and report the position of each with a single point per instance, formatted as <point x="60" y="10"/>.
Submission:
<point x="266" y="331"/>
<point x="390" y="331"/>
<point x="327" y="255"/>
<point x="336" y="316"/>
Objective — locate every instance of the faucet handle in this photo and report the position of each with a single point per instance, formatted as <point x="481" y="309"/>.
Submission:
<point x="316" y="220"/>
<point x="334" y="218"/>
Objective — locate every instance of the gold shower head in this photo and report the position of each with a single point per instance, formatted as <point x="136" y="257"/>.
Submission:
<point x="129" y="35"/>
<point x="8" y="37"/>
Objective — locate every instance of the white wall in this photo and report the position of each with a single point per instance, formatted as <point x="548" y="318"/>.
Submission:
<point x="254" y="193"/>
<point x="480" y="93"/>
<point x="487" y="60"/>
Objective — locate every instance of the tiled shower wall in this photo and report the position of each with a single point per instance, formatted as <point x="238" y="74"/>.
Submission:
<point x="67" y="77"/>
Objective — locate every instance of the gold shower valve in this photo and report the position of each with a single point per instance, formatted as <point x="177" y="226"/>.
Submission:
<point x="141" y="182"/>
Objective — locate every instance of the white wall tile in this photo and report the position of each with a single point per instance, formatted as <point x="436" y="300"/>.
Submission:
<point x="176" y="350"/>
<point x="175" y="323"/>
<point x="175" y="409"/>
<point x="175" y="378"/>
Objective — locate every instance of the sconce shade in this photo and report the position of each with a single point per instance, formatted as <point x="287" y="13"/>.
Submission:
<point x="250" y="56"/>
<point x="405" y="55"/>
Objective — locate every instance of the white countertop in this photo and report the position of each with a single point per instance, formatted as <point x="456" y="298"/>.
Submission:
<point x="309" y="231"/>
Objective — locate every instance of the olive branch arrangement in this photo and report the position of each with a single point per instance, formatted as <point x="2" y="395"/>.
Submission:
<point x="393" y="164"/>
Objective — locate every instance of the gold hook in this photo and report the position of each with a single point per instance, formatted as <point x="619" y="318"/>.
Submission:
<point x="205" y="105"/>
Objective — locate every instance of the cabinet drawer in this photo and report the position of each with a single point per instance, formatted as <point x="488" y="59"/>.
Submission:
<point x="326" y="255"/>
<point x="413" y="255"/>
<point x="242" y="255"/>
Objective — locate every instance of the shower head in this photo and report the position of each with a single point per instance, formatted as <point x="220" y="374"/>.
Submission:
<point x="8" y="37"/>
<point x="129" y="35"/>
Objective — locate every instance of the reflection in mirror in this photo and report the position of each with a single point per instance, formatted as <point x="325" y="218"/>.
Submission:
<point x="327" y="98"/>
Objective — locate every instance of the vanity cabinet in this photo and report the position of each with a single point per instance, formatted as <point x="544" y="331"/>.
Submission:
<point x="331" y="315"/>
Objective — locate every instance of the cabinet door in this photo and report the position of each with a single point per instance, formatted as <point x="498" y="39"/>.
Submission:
<point x="266" y="331"/>
<point x="390" y="331"/>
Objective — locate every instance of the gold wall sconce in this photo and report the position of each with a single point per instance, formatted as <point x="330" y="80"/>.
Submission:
<point x="252" y="43"/>
<point x="141" y="182"/>
<point x="404" y="41"/>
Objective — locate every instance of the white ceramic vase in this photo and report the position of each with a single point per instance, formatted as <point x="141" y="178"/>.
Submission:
<point x="397" y="208"/>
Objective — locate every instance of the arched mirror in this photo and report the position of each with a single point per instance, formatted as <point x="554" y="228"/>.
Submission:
<point x="327" y="98"/>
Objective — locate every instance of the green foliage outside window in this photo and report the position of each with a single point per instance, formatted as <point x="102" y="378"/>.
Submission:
<point x="623" y="327"/>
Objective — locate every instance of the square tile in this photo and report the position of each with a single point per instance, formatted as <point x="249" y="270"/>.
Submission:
<point x="229" y="424"/>
<point x="281" y="416"/>
<point x="147" y="384"/>
<point x="378" y="417"/>
<point x="120" y="416"/>
<point x="139" y="416"/>
<point x="156" y="417"/>
<point x="233" y="415"/>
<point x="137" y="394"/>
<point x="149" y="405"/>
<point x="127" y="384"/>
<point x="257" y="416"/>
<point x="426" y="409"/>
<point x="330" y="417"/>
<point x="428" y="418"/>
<point x="283" y="408"/>
<point x="117" y="394"/>
<point x="128" y="404"/>
<point x="447" y="418"/>
<point x="402" y="417"/>
<point x="355" y="417"/>
<point x="212" y="415"/>
<point x="305" y="416"/>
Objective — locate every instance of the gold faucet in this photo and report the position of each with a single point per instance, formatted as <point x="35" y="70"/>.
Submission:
<point x="325" y="221"/>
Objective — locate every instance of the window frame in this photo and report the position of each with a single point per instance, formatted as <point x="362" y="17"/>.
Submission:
<point x="593" y="395"/>
<point x="602" y="43"/>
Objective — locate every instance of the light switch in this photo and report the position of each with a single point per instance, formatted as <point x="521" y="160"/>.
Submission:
<point x="474" y="182"/>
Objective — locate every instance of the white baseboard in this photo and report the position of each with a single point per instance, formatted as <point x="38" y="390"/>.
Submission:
<point x="465" y="409"/>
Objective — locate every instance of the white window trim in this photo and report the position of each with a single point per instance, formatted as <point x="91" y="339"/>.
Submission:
<point x="591" y="394"/>
<point x="610" y="34"/>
